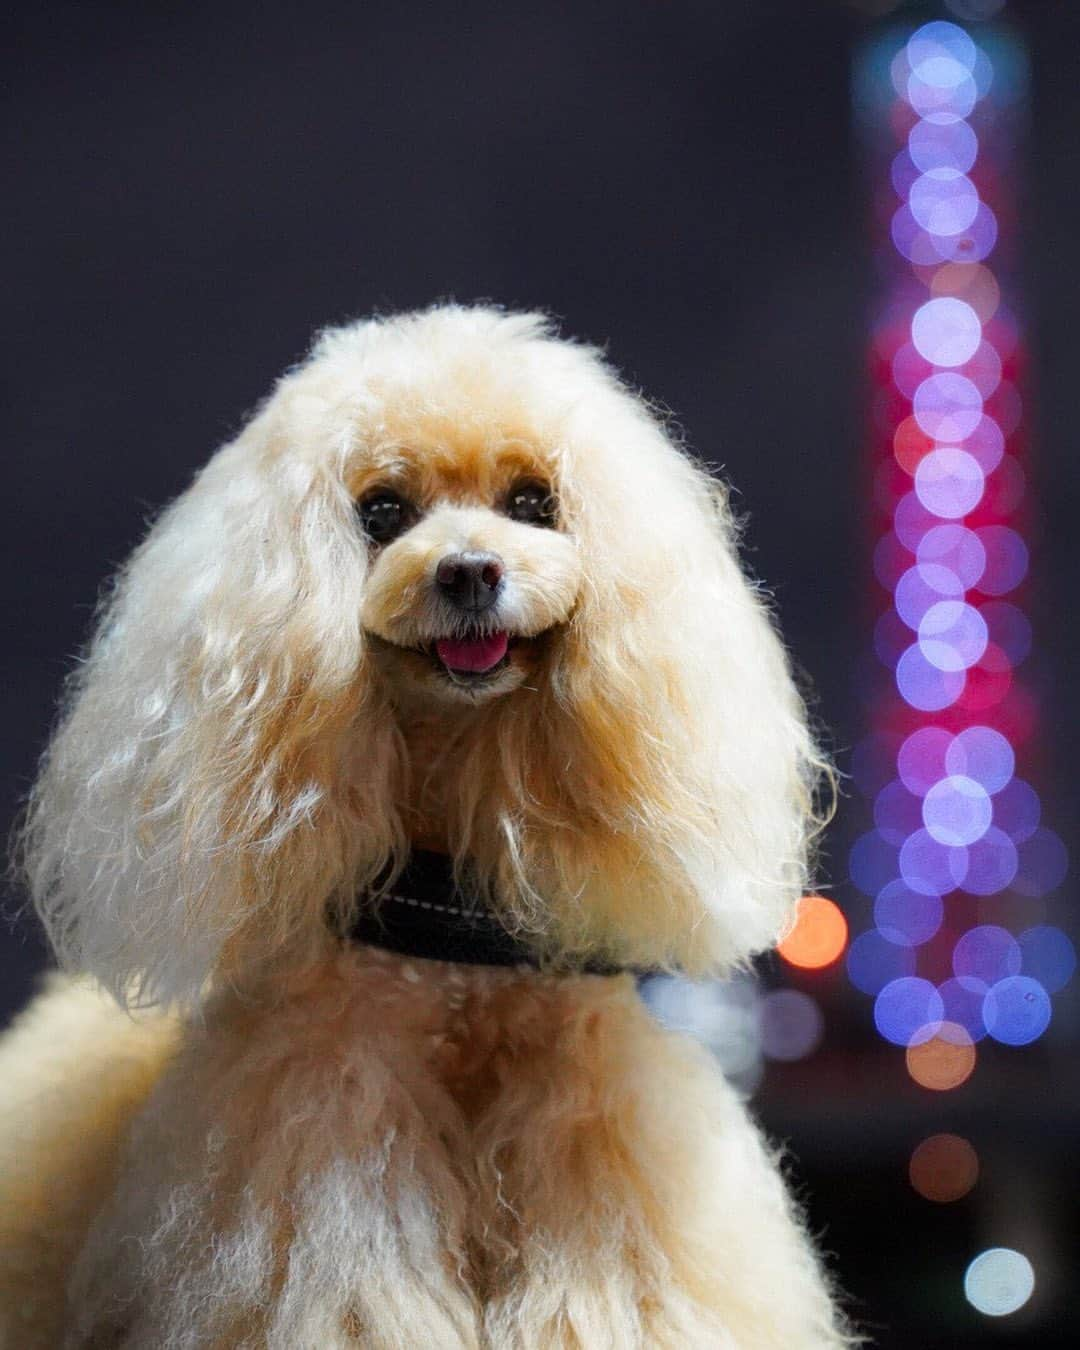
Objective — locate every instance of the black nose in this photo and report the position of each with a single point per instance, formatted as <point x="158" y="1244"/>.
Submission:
<point x="470" y="580"/>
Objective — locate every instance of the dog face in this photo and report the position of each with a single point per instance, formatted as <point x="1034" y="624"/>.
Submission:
<point x="452" y="509"/>
<point x="473" y="575"/>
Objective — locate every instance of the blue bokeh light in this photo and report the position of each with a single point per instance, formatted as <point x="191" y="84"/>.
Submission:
<point x="1047" y="955"/>
<point x="983" y="754"/>
<point x="908" y="1011"/>
<point x="905" y="917"/>
<point x="930" y="867"/>
<point x="872" y="862"/>
<point x="952" y="146"/>
<point x="1043" y="863"/>
<point x="1017" y="1010"/>
<point x="924" y="685"/>
<point x="992" y="863"/>
<point x="986" y="954"/>
<point x="963" y="1003"/>
<point x="873" y="962"/>
<point x="1017" y="810"/>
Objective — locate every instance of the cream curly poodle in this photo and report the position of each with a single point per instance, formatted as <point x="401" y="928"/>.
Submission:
<point x="434" y="709"/>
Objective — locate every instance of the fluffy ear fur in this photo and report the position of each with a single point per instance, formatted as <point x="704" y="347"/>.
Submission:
<point x="197" y="803"/>
<point x="656" y="797"/>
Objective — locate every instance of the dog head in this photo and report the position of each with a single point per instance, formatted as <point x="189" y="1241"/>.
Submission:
<point x="452" y="510"/>
<point x="472" y="573"/>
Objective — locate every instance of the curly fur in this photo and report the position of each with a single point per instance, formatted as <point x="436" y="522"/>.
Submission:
<point x="351" y="1148"/>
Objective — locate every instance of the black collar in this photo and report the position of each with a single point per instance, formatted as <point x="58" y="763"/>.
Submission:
<point x="425" y="914"/>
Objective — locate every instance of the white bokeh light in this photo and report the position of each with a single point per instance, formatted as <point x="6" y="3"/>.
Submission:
<point x="949" y="98"/>
<point x="949" y="482"/>
<point x="999" y="1281"/>
<point x="948" y="406"/>
<point x="952" y="635"/>
<point x="940" y="39"/>
<point x="946" y="331"/>
<point x="943" y="201"/>
<point x="954" y="146"/>
<point x="957" y="811"/>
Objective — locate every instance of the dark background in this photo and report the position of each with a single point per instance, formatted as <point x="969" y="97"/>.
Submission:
<point x="194" y="188"/>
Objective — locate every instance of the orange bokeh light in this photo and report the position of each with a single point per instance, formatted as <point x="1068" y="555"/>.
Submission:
<point x="819" y="935"/>
<point x="944" y="1061"/>
<point x="970" y="282"/>
<point x="944" y="1168"/>
<point x="910" y="444"/>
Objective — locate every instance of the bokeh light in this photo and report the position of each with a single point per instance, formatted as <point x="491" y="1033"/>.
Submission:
<point x="986" y="953"/>
<point x="931" y="867"/>
<point x="992" y="863"/>
<point x="948" y="481"/>
<point x="949" y="407"/>
<point x="931" y="146"/>
<point x="723" y="1015"/>
<point x="873" y="961"/>
<point x="983" y="755"/>
<point x="936" y="42"/>
<point x="944" y="1168"/>
<point x="952" y="635"/>
<point x="921" y="759"/>
<point x="905" y="917"/>
<point x="908" y="1011"/>
<point x="1047" y="955"/>
<point x="921" y="588"/>
<point x="962" y="1002"/>
<point x="924" y="684"/>
<point x="946" y="331"/>
<point x="896" y="812"/>
<point x="943" y="1062"/>
<point x="986" y="444"/>
<point x="1009" y="630"/>
<point x="818" y="936"/>
<point x="1042" y="863"/>
<point x="958" y="550"/>
<point x="1006" y="560"/>
<point x="792" y="1024"/>
<point x="1017" y="1010"/>
<point x="957" y="810"/>
<point x="999" y="1281"/>
<point x="1017" y="810"/>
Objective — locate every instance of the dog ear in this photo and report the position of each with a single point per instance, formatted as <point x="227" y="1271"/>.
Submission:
<point x="668" y="799"/>
<point x="197" y="804"/>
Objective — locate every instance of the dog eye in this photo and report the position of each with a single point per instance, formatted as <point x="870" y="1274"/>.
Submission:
<point x="532" y="503"/>
<point x="384" y="515"/>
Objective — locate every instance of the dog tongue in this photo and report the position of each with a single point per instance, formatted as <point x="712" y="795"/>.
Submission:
<point x="475" y="654"/>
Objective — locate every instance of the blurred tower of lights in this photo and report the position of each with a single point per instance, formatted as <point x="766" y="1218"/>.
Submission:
<point x="959" y="875"/>
<point x="958" y="868"/>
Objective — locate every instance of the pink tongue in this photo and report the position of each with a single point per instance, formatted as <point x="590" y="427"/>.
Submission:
<point x="476" y="654"/>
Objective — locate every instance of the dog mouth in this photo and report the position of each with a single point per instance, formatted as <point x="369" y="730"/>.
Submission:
<point x="471" y="659"/>
<point x="474" y="656"/>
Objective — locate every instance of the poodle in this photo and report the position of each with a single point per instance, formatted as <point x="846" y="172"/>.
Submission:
<point x="435" y="711"/>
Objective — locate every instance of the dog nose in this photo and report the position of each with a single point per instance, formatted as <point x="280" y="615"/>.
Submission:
<point x="470" y="580"/>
